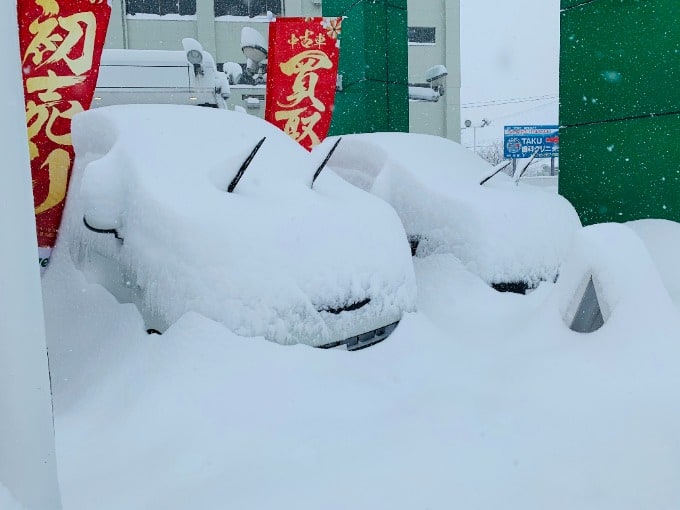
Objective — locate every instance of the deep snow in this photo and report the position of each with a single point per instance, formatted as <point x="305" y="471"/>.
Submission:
<point x="478" y="400"/>
<point x="499" y="231"/>
<point x="267" y="259"/>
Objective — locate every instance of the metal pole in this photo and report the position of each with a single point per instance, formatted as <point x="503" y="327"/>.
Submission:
<point x="552" y="166"/>
<point x="123" y="15"/>
<point x="27" y="452"/>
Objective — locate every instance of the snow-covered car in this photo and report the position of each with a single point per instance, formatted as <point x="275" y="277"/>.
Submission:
<point x="180" y="209"/>
<point x="513" y="237"/>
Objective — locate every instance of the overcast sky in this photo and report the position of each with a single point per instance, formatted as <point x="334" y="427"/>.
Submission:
<point x="509" y="51"/>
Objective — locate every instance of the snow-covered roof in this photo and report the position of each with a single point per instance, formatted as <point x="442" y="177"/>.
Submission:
<point x="144" y="57"/>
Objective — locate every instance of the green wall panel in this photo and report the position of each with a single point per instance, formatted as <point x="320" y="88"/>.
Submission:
<point x="619" y="59"/>
<point x="621" y="171"/>
<point x="373" y="65"/>
<point x="396" y="45"/>
<point x="620" y="109"/>
<point x="375" y="30"/>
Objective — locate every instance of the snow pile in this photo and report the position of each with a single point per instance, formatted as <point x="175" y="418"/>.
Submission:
<point x="480" y="400"/>
<point x="274" y="258"/>
<point x="627" y="282"/>
<point x="662" y="239"/>
<point x="501" y="232"/>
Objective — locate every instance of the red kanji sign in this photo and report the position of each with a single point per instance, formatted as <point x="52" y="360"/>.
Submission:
<point x="302" y="73"/>
<point x="61" y="42"/>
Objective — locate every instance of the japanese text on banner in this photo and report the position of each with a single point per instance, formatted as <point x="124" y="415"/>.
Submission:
<point x="302" y="75"/>
<point x="61" y="43"/>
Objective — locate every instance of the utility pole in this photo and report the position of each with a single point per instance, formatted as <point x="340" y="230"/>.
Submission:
<point x="27" y="452"/>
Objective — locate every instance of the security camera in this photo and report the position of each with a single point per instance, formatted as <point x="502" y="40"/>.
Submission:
<point x="436" y="77"/>
<point x="233" y="72"/>
<point x="253" y="45"/>
<point x="436" y="73"/>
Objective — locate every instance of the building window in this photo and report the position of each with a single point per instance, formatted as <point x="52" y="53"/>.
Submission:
<point x="421" y="35"/>
<point x="249" y="8"/>
<point x="161" y="7"/>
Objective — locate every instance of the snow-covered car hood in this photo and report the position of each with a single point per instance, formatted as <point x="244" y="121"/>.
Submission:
<point x="502" y="232"/>
<point x="275" y="258"/>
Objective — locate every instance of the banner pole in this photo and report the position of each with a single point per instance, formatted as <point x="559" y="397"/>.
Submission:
<point x="27" y="451"/>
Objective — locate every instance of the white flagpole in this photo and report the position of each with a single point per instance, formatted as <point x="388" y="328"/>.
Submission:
<point x="27" y="453"/>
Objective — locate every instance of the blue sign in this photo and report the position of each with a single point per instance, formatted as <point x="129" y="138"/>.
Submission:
<point x="524" y="141"/>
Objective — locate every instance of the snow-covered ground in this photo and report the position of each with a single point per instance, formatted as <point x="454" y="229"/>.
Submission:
<point x="479" y="399"/>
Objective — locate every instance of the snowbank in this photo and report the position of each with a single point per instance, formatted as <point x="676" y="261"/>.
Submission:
<point x="480" y="400"/>
<point x="662" y="239"/>
<point x="626" y="280"/>
<point x="501" y="232"/>
<point x="275" y="258"/>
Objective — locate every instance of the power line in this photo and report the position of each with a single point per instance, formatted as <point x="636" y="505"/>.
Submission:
<point x="519" y="112"/>
<point x="526" y="110"/>
<point x="493" y="120"/>
<point x="514" y="100"/>
<point x="491" y="102"/>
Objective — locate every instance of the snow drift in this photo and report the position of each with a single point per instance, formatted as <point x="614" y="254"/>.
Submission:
<point x="502" y="232"/>
<point x="274" y="258"/>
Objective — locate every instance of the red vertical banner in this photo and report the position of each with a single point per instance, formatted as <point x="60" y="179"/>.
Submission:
<point x="61" y="42"/>
<point x="302" y="70"/>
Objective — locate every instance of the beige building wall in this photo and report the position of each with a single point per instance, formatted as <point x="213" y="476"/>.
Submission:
<point x="443" y="117"/>
<point x="222" y="38"/>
